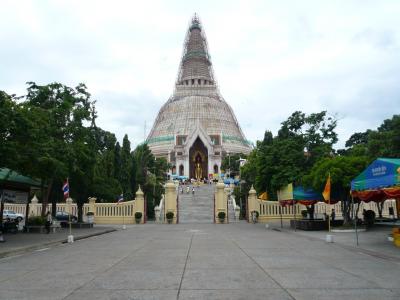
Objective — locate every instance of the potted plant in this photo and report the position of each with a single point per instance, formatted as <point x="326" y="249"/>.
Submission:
<point x="221" y="216"/>
<point x="170" y="216"/>
<point x="90" y="217"/>
<point x="255" y="214"/>
<point x="138" y="217"/>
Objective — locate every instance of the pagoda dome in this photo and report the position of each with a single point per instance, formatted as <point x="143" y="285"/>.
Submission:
<point x="196" y="104"/>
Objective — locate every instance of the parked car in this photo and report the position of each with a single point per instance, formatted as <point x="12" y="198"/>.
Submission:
<point x="12" y="215"/>
<point x="63" y="218"/>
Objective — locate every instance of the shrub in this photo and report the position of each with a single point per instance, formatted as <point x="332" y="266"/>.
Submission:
<point x="256" y="212"/>
<point x="221" y="215"/>
<point x="89" y="213"/>
<point x="36" y="221"/>
<point x="304" y="214"/>
<point x="138" y="215"/>
<point x="169" y="215"/>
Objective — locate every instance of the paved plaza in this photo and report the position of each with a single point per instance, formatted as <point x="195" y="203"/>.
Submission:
<point x="199" y="261"/>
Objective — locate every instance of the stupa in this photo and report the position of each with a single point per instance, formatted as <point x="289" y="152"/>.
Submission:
<point x="196" y="127"/>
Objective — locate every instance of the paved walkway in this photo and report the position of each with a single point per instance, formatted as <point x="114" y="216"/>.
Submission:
<point x="199" y="261"/>
<point x="21" y="242"/>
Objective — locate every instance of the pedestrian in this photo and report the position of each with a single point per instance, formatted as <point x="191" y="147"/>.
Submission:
<point x="49" y="220"/>
<point x="333" y="214"/>
<point x="193" y="190"/>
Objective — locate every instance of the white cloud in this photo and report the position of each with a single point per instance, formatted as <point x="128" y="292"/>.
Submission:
<point x="270" y="57"/>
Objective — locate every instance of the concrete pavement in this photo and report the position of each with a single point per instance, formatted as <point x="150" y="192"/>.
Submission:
<point x="199" y="261"/>
<point x="19" y="243"/>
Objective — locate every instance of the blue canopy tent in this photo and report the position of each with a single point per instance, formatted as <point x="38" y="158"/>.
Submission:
<point x="378" y="182"/>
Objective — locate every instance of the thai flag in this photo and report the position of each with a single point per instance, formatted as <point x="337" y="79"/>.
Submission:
<point x="120" y="198"/>
<point x="65" y="189"/>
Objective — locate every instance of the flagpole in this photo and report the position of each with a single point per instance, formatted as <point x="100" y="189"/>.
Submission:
<point x="329" y="217"/>
<point x="123" y="217"/>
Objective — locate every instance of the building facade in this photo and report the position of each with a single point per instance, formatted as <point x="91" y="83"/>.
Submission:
<point x="196" y="127"/>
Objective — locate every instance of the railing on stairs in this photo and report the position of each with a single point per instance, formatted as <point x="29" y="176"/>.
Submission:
<point x="159" y="211"/>
<point x="235" y="207"/>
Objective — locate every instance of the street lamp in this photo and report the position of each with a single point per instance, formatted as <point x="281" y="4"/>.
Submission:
<point x="241" y="163"/>
<point x="229" y="164"/>
<point x="155" y="180"/>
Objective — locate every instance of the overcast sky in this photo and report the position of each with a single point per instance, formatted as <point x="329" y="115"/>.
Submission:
<point x="270" y="58"/>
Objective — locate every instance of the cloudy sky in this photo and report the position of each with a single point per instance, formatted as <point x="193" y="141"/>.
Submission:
<point x="270" y="58"/>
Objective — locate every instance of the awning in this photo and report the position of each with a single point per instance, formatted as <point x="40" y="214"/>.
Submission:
<point x="306" y="196"/>
<point x="378" y="182"/>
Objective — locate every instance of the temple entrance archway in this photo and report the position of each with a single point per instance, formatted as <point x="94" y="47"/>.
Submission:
<point x="198" y="165"/>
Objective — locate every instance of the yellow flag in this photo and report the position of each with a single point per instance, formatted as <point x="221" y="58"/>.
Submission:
<point x="327" y="190"/>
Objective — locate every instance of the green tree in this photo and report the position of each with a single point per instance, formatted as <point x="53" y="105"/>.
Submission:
<point x="301" y="140"/>
<point x="342" y="169"/>
<point x="231" y="163"/>
<point x="126" y="168"/>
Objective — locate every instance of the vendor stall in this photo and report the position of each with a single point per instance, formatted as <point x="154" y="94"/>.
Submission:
<point x="378" y="182"/>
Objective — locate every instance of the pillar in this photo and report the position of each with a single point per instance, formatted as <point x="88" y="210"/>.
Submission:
<point x="170" y="201"/>
<point x="139" y="203"/>
<point x="252" y="203"/>
<point x="68" y="206"/>
<point x="220" y="202"/>
<point x="92" y="205"/>
<point x="33" y="206"/>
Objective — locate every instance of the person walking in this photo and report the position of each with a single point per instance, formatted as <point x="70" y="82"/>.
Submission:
<point x="49" y="220"/>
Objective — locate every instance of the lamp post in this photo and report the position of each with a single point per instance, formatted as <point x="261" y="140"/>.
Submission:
<point x="155" y="181"/>
<point x="241" y="162"/>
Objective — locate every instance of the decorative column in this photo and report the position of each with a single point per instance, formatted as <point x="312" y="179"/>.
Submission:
<point x="92" y="209"/>
<point x="92" y="205"/>
<point x="139" y="203"/>
<point x="252" y="203"/>
<point x="220" y="202"/>
<point x="33" y="206"/>
<point x="68" y="205"/>
<point x="170" y="201"/>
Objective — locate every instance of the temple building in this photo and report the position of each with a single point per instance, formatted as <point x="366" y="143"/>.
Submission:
<point x="196" y="127"/>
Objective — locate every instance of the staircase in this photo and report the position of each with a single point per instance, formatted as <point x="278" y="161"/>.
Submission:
<point x="197" y="208"/>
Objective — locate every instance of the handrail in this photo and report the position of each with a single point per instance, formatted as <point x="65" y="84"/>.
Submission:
<point x="236" y="208"/>
<point x="159" y="211"/>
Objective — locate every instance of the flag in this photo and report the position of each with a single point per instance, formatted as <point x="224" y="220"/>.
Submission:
<point x="120" y="198"/>
<point x="327" y="190"/>
<point x="65" y="189"/>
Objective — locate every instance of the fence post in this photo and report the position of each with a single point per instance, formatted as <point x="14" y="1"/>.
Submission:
<point x="33" y="206"/>
<point x="139" y="203"/>
<point x="68" y="206"/>
<point x="170" y="200"/>
<point x="220" y="202"/>
<point x="252" y="202"/>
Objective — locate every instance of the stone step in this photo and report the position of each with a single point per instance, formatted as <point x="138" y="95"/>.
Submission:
<point x="197" y="208"/>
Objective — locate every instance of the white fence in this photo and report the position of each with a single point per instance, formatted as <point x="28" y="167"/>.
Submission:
<point x="272" y="209"/>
